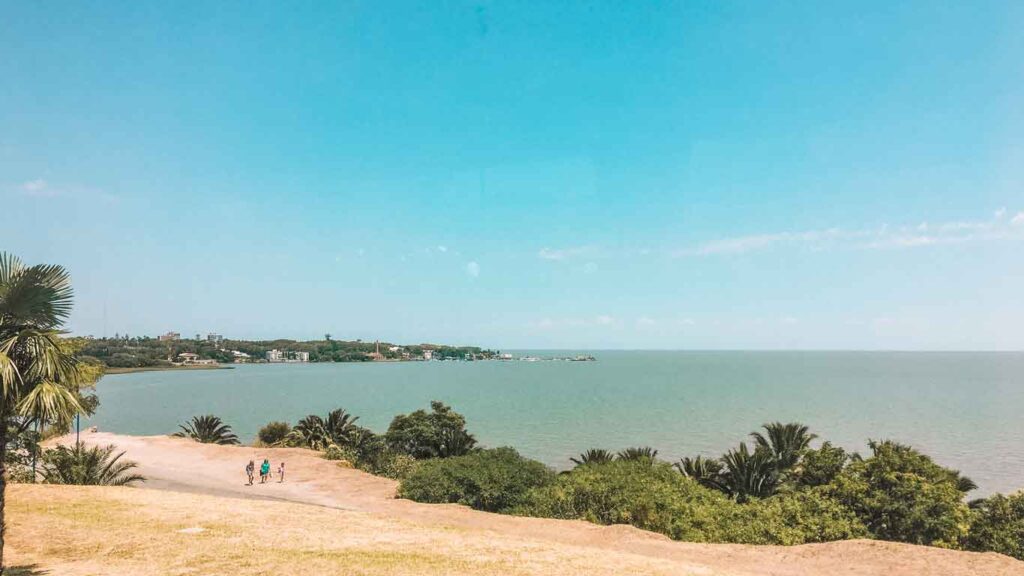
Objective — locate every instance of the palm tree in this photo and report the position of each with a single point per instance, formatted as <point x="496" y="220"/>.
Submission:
<point x="38" y="378"/>
<point x="594" y="456"/>
<point x="749" y="474"/>
<point x="638" y="454"/>
<point x="88" y="466"/>
<point x="318" y="433"/>
<point x="208" y="429"/>
<point x="706" y="471"/>
<point x="785" y="442"/>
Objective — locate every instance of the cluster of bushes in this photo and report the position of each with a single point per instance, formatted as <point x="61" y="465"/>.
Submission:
<point x="411" y="438"/>
<point x="777" y="491"/>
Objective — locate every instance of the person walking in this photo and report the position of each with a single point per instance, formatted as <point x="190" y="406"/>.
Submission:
<point x="264" y="470"/>
<point x="280" y="473"/>
<point x="250" y="471"/>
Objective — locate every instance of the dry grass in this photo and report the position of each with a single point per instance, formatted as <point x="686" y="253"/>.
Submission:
<point x="76" y="531"/>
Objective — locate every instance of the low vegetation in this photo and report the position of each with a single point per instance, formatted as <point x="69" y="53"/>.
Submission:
<point x="208" y="429"/>
<point x="93" y="466"/>
<point x="496" y="480"/>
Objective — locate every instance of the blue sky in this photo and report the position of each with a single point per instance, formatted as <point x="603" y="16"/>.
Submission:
<point x="600" y="175"/>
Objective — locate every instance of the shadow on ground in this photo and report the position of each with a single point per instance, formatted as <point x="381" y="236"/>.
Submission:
<point x="25" y="570"/>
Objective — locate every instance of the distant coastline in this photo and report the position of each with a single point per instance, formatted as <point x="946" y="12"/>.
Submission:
<point x="132" y="370"/>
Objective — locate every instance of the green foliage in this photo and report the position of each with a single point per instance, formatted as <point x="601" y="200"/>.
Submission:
<point x="821" y="466"/>
<point x="792" y="518"/>
<point x="208" y="429"/>
<point x="637" y="454"/>
<point x="648" y="495"/>
<point x="902" y="495"/>
<point x="785" y="442"/>
<point x="274" y="433"/>
<point x="494" y="480"/>
<point x="440" y="433"/>
<point x="88" y="466"/>
<point x="997" y="525"/>
<point x="318" y="433"/>
<point x="655" y="497"/>
<point x="705" y="471"/>
<point x="593" y="456"/>
<point x="747" y="474"/>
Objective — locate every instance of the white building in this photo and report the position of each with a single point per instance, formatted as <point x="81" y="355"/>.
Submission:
<point x="275" y="355"/>
<point x="215" y="338"/>
<point x="428" y="354"/>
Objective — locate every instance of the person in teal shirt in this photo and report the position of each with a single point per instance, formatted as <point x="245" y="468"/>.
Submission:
<point x="264" y="471"/>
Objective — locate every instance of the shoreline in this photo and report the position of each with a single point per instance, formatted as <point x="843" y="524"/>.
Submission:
<point x="134" y="370"/>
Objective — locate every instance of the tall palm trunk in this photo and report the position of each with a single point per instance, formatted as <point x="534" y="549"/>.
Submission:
<point x="3" y="485"/>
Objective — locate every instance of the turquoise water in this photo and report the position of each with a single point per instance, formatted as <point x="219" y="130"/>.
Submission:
<point x="965" y="409"/>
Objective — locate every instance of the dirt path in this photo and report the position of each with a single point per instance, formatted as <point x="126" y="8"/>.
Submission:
<point x="185" y="466"/>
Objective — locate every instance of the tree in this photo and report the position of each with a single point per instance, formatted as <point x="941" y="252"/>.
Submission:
<point x="706" y="471"/>
<point x="593" y="456"/>
<point x="208" y="429"/>
<point x="274" y="433"/>
<point x="749" y="474"/>
<point x="638" y="454"/>
<point x="38" y="379"/>
<point x="95" y="466"/>
<point x="900" y="494"/>
<point x="819" y="467"/>
<point x="438" y="434"/>
<point x="338" y="428"/>
<point x="997" y="525"/>
<point x="785" y="442"/>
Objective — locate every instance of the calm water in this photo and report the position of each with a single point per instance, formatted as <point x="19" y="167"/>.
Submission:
<point x="965" y="409"/>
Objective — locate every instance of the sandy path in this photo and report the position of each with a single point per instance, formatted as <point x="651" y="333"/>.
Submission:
<point x="185" y="466"/>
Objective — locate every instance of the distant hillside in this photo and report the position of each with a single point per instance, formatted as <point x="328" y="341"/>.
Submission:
<point x="145" y="351"/>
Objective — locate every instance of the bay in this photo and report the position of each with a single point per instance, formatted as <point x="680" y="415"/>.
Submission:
<point x="962" y="408"/>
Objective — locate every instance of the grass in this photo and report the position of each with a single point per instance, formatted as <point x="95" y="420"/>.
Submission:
<point x="80" y="530"/>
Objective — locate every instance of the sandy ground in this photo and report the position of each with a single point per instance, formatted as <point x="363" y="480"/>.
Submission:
<point x="215" y="477"/>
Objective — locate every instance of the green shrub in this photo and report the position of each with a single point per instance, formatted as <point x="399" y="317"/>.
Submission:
<point x="821" y="466"/>
<point x="440" y="433"/>
<point x="997" y="525"/>
<point x="657" y="498"/>
<point x="494" y="480"/>
<point x="274" y="433"/>
<point x="792" y="518"/>
<point x="648" y="495"/>
<point x="902" y="495"/>
<point x="335" y="452"/>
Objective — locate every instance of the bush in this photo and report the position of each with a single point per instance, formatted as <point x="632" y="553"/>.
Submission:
<point x="335" y="452"/>
<point x="274" y="433"/>
<point x="94" y="466"/>
<point x="997" y="525"/>
<point x="902" y="495"/>
<point x="494" y="480"/>
<point x="792" y="518"/>
<point x="821" y="466"/>
<point x="656" y="497"/>
<point x="648" y="495"/>
<point x="441" y="433"/>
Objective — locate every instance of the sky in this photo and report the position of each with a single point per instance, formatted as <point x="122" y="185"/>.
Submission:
<point x="685" y="175"/>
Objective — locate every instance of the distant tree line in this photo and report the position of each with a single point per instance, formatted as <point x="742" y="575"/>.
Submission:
<point x="124" y="351"/>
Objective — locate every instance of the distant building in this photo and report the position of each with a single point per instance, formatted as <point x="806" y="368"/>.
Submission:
<point x="428" y="354"/>
<point x="284" y="356"/>
<point x="169" y="336"/>
<point x="215" y="338"/>
<point x="190" y="359"/>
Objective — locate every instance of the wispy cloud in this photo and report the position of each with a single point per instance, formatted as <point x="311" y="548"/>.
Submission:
<point x="883" y="237"/>
<point x="38" y="188"/>
<point x="473" y="270"/>
<point x="557" y="323"/>
<point x="566" y="253"/>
